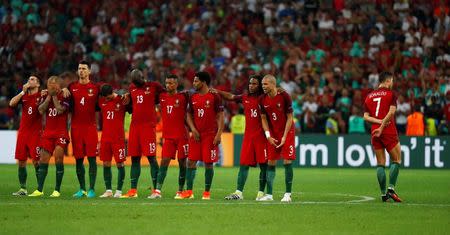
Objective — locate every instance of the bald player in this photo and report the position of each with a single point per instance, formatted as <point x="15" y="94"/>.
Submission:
<point x="55" y="137"/>
<point x="142" y="139"/>
<point x="278" y="125"/>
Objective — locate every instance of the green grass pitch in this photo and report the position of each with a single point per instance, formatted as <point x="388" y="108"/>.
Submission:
<point x="325" y="201"/>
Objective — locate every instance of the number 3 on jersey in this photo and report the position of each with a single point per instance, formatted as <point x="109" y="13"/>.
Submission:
<point x="378" y="100"/>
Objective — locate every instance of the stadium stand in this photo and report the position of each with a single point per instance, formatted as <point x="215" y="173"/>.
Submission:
<point x="326" y="54"/>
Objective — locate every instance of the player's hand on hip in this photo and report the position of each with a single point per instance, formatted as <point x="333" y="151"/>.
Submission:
<point x="283" y="140"/>
<point x="66" y="92"/>
<point x="217" y="140"/>
<point x="272" y="141"/>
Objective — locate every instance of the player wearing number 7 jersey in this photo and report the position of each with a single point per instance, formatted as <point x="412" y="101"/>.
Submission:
<point x="380" y="106"/>
<point x="55" y="136"/>
<point x="84" y="97"/>
<point x="30" y="128"/>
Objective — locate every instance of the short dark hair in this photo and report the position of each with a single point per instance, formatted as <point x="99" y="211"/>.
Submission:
<point x="172" y="76"/>
<point x="86" y="63"/>
<point x="384" y="76"/>
<point x="37" y="78"/>
<point x="105" y="90"/>
<point x="204" y="77"/>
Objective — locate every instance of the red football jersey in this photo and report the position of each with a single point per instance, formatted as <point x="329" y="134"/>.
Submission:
<point x="252" y="113"/>
<point x="377" y="104"/>
<point x="143" y="101"/>
<point x="204" y="109"/>
<point x="276" y="108"/>
<point x="113" y="115"/>
<point x="56" y="124"/>
<point x="84" y="101"/>
<point x="173" y="112"/>
<point x="31" y="121"/>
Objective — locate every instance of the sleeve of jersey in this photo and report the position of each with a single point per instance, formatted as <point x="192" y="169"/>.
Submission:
<point x="237" y="98"/>
<point x="394" y="99"/>
<point x="97" y="104"/>
<point x="66" y="103"/>
<point x="287" y="102"/>
<point x="69" y="87"/>
<point x="365" y="107"/>
<point x="186" y="98"/>
<point x="218" y="105"/>
<point x="189" y="105"/>
<point x="129" y="107"/>
<point x="159" y="89"/>
<point x="70" y="100"/>
<point x="261" y="105"/>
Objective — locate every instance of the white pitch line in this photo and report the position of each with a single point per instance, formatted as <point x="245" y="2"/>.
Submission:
<point x="360" y="200"/>
<point x="126" y="202"/>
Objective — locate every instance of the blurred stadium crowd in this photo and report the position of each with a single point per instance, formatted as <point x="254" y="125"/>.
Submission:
<point x="326" y="54"/>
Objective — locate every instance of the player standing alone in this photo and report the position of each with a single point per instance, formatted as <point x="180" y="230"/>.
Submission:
<point x="29" y="133"/>
<point x="380" y="106"/>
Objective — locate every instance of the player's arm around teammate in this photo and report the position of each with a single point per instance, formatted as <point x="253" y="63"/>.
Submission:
<point x="112" y="143"/>
<point x="205" y="118"/>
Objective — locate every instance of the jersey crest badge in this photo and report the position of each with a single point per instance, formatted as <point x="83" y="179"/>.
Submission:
<point x="90" y="92"/>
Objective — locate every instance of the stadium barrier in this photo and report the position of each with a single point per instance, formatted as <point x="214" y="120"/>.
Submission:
<point x="313" y="150"/>
<point x="8" y="147"/>
<point x="337" y="151"/>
